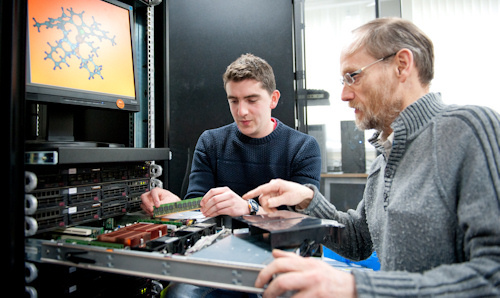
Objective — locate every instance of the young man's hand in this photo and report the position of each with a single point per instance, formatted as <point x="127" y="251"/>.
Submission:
<point x="156" y="197"/>
<point x="223" y="201"/>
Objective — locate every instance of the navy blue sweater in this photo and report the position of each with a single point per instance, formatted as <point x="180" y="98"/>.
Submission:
<point x="226" y="157"/>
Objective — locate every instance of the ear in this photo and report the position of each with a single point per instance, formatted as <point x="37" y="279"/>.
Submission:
<point x="275" y="97"/>
<point x="405" y="64"/>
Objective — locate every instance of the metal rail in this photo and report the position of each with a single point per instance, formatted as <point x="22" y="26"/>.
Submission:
<point x="211" y="269"/>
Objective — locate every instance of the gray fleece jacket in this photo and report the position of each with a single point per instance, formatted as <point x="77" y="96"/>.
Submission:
<point x="431" y="209"/>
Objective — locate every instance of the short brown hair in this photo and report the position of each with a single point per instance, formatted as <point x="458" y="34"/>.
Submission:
<point x="248" y="66"/>
<point x="384" y="36"/>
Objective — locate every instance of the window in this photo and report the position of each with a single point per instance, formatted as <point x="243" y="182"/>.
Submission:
<point x="466" y="45"/>
<point x="327" y="24"/>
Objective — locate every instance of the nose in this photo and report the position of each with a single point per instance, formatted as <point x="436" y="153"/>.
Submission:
<point x="242" y="108"/>
<point x="347" y="93"/>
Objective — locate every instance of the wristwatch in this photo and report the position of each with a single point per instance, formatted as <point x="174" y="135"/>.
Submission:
<point x="253" y="206"/>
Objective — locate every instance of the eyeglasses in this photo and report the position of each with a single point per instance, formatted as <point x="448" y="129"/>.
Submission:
<point x="348" y="78"/>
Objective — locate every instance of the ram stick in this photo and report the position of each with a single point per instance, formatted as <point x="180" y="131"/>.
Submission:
<point x="175" y="207"/>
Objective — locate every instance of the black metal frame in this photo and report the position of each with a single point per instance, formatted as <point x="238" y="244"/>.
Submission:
<point x="12" y="65"/>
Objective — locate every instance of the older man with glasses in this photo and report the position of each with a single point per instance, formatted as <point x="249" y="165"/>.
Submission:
<point x="431" y="207"/>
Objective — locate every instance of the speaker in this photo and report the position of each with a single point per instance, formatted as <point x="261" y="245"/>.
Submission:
<point x="318" y="131"/>
<point x="353" y="148"/>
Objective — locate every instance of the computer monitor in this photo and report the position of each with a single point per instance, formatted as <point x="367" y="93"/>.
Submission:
<point x="82" y="53"/>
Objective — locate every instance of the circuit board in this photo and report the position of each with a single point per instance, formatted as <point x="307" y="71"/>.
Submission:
<point x="175" y="207"/>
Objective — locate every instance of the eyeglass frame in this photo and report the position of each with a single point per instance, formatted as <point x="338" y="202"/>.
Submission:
<point x="350" y="76"/>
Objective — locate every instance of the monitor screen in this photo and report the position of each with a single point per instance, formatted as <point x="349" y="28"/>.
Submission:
<point x="81" y="53"/>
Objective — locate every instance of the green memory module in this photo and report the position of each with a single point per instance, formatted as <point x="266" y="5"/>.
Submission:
<point x="181" y="206"/>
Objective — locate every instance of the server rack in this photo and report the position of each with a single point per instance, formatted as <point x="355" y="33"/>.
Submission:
<point x="13" y="28"/>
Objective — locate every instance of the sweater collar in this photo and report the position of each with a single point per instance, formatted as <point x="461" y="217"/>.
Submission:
<point x="413" y="118"/>
<point x="419" y="113"/>
<point x="272" y="135"/>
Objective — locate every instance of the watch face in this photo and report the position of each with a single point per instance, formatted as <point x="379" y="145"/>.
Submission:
<point x="255" y="206"/>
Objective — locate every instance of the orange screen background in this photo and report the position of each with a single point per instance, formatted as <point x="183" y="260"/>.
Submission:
<point x="116" y="60"/>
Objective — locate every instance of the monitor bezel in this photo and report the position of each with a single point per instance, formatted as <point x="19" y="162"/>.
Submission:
<point x="61" y="95"/>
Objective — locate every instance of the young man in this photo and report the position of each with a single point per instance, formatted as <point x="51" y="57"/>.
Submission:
<point x="231" y="160"/>
<point x="431" y="206"/>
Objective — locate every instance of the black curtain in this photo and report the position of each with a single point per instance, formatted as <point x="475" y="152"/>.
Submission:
<point x="202" y="37"/>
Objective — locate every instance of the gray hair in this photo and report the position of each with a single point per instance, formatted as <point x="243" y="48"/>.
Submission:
<point x="384" y="36"/>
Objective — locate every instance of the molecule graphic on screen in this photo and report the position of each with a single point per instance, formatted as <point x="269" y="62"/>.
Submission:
<point x="67" y="23"/>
